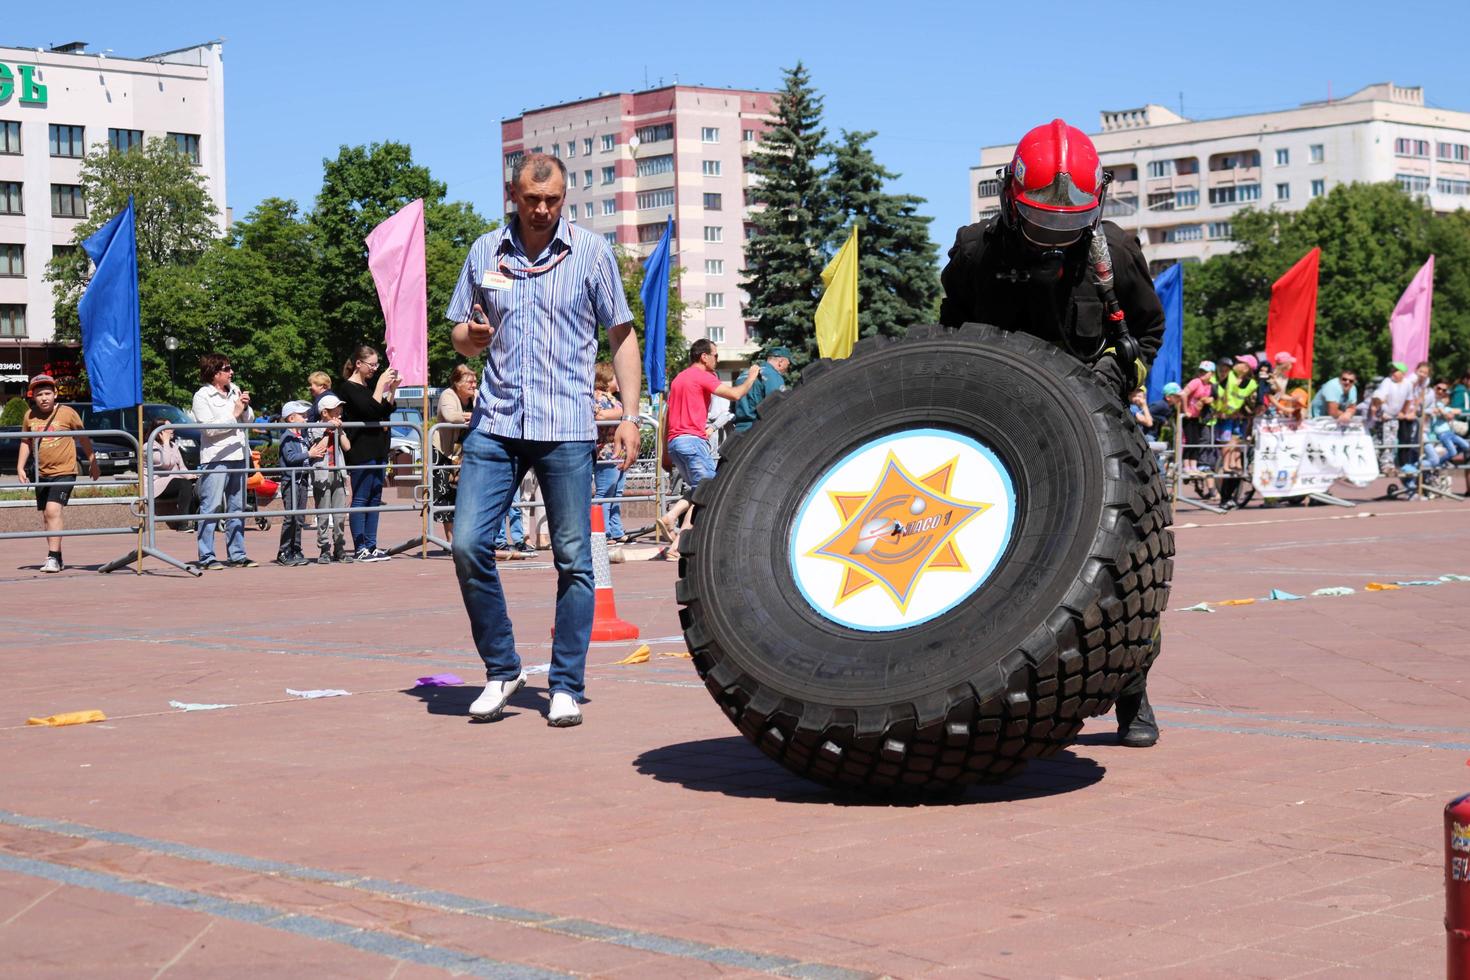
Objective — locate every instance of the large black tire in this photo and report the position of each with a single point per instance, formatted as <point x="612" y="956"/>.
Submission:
<point x="1073" y="566"/>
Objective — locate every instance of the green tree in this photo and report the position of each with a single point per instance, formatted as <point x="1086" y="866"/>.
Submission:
<point x="898" y="284"/>
<point x="1373" y="237"/>
<point x="784" y="259"/>
<point x="676" y="347"/>
<point x="14" y="411"/>
<point x="174" y="215"/>
<point x="361" y="188"/>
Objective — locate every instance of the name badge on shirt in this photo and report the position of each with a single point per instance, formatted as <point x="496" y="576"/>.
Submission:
<point x="495" y="280"/>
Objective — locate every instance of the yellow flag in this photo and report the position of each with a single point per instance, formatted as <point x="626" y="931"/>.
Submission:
<point x="837" y="313"/>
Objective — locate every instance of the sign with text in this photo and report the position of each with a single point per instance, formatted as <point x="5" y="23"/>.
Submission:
<point x="1301" y="456"/>
<point x="32" y="92"/>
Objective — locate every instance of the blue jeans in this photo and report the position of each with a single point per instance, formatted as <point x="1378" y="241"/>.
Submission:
<point x="1455" y="443"/>
<point x="222" y="491"/>
<point x="516" y="517"/>
<point x="610" y="482"/>
<point x="490" y="471"/>
<point x="693" y="459"/>
<point x="367" y="491"/>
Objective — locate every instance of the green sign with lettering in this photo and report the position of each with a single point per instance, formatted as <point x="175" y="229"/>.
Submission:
<point x="31" y="91"/>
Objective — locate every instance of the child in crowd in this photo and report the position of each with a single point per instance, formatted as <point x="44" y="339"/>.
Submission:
<point x="54" y="468"/>
<point x="298" y="458"/>
<point x="328" y="482"/>
<point x="319" y="383"/>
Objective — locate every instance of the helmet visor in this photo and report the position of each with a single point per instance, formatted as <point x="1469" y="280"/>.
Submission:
<point x="1053" y="229"/>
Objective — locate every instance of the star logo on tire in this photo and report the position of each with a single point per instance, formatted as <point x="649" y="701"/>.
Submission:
<point x="898" y="531"/>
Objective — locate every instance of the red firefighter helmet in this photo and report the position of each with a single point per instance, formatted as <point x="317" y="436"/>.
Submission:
<point x="1054" y="185"/>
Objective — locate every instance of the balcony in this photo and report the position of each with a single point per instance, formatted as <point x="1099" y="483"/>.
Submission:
<point x="1237" y="175"/>
<point x="1170" y="185"/>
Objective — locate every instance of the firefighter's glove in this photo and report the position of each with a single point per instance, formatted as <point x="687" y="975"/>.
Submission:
<point x="1121" y="378"/>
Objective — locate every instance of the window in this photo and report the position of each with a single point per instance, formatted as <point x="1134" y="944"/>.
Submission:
<point x="10" y="198"/>
<point x="1186" y="198"/>
<point x="609" y="140"/>
<point x="709" y="134"/>
<point x="1158" y="168"/>
<point x="12" y="320"/>
<point x="1410" y="148"/>
<point x="9" y="137"/>
<point x="587" y="210"/>
<point x="1460" y="188"/>
<point x="67" y="141"/>
<point x="1315" y="153"/>
<point x="1283" y="192"/>
<point x="188" y="145"/>
<point x="716" y="335"/>
<point x="1283" y="157"/>
<point x="12" y="261"/>
<point x="571" y="178"/>
<point x="64" y="251"/>
<point x="1236" y="194"/>
<point x="586" y="146"/>
<point x="1235" y="161"/>
<point x="609" y="174"/>
<point x="514" y="157"/>
<point x="1161" y="202"/>
<point x="713" y="202"/>
<point x="1413" y="183"/>
<point x="747" y="136"/>
<point x="988" y="188"/>
<point x="610" y="206"/>
<point x="649" y="166"/>
<point x="571" y="148"/>
<point x="1319" y="187"/>
<point x="611" y="237"/>
<point x="650" y="233"/>
<point x="1125" y="172"/>
<point x="710" y="168"/>
<point x="123" y="140"/>
<point x="714" y="267"/>
<point x="1453" y="151"/>
<point x="648" y="200"/>
<point x="750" y="231"/>
<point x="535" y="149"/>
<point x="655" y="134"/>
<point x="749" y="165"/>
<point x="67" y="202"/>
<point x="714" y="233"/>
<point x="556" y="150"/>
<point x="714" y="301"/>
<point x="586" y="178"/>
<point x="1183" y="233"/>
<point x="1219" y="229"/>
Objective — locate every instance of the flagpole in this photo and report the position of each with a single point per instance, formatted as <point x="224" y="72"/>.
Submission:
<point x="141" y="500"/>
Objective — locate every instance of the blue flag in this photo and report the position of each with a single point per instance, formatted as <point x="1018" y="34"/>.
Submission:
<point x="111" y="341"/>
<point x="1169" y="362"/>
<point x="655" y="295"/>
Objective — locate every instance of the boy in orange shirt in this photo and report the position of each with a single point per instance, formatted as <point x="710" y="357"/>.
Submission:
<point x="54" y="469"/>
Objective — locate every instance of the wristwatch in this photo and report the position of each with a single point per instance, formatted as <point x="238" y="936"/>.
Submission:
<point x="630" y="418"/>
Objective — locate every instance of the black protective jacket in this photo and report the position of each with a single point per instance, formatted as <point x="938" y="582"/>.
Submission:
<point x="987" y="281"/>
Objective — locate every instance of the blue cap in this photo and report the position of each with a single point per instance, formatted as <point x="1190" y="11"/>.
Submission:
<point x="778" y="352"/>
<point x="1171" y="389"/>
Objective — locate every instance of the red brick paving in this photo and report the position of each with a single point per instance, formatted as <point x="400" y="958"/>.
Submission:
<point x="1309" y="846"/>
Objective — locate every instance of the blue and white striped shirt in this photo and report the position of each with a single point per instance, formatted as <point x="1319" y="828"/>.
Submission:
<point x="537" y="382"/>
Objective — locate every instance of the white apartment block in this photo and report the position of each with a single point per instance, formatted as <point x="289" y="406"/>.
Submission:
<point x="635" y="158"/>
<point x="58" y="106"/>
<point x="1177" y="181"/>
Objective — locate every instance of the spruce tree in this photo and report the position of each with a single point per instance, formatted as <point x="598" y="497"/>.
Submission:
<point x="783" y="261"/>
<point x="897" y="279"/>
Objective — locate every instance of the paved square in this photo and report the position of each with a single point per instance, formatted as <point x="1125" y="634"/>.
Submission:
<point x="1288" y="823"/>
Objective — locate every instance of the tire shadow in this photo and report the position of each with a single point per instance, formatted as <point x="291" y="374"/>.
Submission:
<point x="734" y="767"/>
<point x="457" y="700"/>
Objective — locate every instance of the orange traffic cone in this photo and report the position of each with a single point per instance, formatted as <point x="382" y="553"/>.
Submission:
<point x="605" y="622"/>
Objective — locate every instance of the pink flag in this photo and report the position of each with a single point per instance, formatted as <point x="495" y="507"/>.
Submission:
<point x="1409" y="325"/>
<point x="396" y="258"/>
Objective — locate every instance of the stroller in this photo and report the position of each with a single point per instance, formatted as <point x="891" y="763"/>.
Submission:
<point x="259" y="491"/>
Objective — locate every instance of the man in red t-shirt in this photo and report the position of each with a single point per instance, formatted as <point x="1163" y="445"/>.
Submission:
<point x="684" y="428"/>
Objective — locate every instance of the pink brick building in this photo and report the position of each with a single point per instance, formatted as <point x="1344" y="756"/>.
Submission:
<point x="635" y="158"/>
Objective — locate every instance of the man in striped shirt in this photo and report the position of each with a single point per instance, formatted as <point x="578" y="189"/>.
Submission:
<point x="531" y="296"/>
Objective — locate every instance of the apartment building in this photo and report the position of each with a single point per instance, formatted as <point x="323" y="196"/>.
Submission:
<point x="636" y="158"/>
<point x="1177" y="181"/>
<point x="56" y="106"/>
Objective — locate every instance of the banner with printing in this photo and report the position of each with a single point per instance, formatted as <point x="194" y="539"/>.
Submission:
<point x="1301" y="456"/>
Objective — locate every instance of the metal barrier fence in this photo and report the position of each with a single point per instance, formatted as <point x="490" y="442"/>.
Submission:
<point x="129" y="501"/>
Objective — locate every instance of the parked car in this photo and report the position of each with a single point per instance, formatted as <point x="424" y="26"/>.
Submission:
<point x="406" y="431"/>
<point x="115" y="455"/>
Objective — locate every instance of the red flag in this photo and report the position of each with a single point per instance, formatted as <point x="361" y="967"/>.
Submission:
<point x="1291" y="324"/>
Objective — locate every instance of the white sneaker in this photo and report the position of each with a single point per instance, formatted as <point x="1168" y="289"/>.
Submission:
<point x="563" y="712"/>
<point x="491" y="701"/>
<point x="51" y="565"/>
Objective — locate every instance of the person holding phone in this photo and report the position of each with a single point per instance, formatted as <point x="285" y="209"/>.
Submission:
<point x="224" y="457"/>
<point x="531" y="297"/>
<point x="371" y="402"/>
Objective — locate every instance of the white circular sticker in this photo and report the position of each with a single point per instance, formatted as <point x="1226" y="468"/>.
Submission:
<point x="902" y="529"/>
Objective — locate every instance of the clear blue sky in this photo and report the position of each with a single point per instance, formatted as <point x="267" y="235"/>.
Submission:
<point x="936" y="79"/>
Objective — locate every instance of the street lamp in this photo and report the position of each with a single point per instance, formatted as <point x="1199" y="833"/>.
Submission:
<point x="171" y="343"/>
